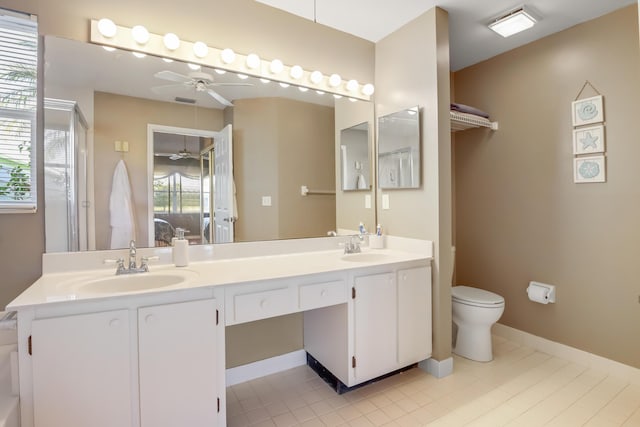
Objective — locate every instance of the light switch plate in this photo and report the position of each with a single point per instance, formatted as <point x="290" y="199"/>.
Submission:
<point x="385" y="202"/>
<point x="367" y="201"/>
<point x="266" y="200"/>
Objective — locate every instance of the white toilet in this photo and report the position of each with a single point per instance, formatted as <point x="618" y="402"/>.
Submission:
<point x="474" y="312"/>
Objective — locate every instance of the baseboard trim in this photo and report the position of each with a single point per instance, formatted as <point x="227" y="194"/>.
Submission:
<point x="568" y="353"/>
<point x="265" y="367"/>
<point x="437" y="368"/>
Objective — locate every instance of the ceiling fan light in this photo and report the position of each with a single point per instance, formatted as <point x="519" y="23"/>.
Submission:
<point x="352" y="85"/>
<point x="276" y="66"/>
<point x="296" y="72"/>
<point x="513" y="22"/>
<point x="335" y="80"/>
<point x="200" y="49"/>
<point x="253" y="61"/>
<point x="107" y="28"/>
<point x="316" y="77"/>
<point x="171" y="41"/>
<point x="140" y="34"/>
<point x="228" y="56"/>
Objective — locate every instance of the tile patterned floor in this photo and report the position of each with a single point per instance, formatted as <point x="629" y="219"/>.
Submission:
<point x="521" y="387"/>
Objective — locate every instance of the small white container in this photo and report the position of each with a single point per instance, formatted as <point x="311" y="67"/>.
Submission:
<point x="376" y="242"/>
<point x="180" y="251"/>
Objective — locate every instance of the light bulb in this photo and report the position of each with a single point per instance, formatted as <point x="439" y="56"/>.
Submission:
<point x="316" y="77"/>
<point x="171" y="41"/>
<point x="335" y="80"/>
<point x="276" y="66"/>
<point x="352" y="85"/>
<point x="368" y="89"/>
<point x="228" y="56"/>
<point x="140" y="34"/>
<point x="253" y="61"/>
<point x="296" y="72"/>
<point x="107" y="28"/>
<point x="200" y="49"/>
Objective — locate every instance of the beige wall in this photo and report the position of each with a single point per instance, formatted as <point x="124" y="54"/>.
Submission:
<point x="350" y="205"/>
<point x="405" y="77"/>
<point x="520" y="217"/>
<point x="279" y="145"/>
<point x="123" y="118"/>
<point x="243" y="25"/>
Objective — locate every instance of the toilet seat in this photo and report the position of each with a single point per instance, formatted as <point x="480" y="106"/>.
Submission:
<point x="476" y="297"/>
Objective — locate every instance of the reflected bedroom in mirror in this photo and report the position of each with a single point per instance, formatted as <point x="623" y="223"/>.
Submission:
<point x="168" y="121"/>
<point x="399" y="149"/>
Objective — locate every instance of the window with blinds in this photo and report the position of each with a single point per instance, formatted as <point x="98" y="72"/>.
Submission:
<point x="18" y="83"/>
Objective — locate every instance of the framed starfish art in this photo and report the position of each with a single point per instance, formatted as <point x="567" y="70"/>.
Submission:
<point x="588" y="140"/>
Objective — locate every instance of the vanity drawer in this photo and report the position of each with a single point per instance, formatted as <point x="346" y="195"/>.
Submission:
<point x="318" y="295"/>
<point x="260" y="305"/>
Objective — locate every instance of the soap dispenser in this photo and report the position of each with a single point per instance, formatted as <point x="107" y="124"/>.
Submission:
<point x="180" y="249"/>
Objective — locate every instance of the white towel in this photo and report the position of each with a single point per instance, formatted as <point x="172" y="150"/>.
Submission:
<point x="362" y="183"/>
<point x="123" y="228"/>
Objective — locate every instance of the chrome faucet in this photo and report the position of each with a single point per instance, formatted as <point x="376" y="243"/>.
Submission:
<point x="133" y="268"/>
<point x="352" y="246"/>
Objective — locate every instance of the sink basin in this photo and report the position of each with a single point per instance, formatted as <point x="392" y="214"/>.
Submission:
<point x="135" y="282"/>
<point x="365" y="257"/>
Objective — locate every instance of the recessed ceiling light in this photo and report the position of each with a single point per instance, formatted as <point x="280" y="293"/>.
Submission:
<point x="513" y="22"/>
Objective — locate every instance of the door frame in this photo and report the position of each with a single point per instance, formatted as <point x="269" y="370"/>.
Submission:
<point x="151" y="128"/>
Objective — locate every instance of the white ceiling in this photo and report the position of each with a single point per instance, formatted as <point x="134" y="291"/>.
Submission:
<point x="470" y="39"/>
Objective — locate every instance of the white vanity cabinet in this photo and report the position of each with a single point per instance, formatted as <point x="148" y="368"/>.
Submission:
<point x="155" y="363"/>
<point x="385" y="326"/>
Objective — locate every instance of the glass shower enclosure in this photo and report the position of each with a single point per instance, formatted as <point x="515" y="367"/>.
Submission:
<point x="65" y="177"/>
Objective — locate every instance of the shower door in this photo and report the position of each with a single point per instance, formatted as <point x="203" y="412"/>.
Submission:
<point x="65" y="177"/>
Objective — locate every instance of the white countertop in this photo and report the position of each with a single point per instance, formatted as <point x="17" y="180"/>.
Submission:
<point x="57" y="287"/>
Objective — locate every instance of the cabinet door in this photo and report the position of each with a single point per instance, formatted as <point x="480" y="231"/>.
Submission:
<point x="375" y="325"/>
<point x="414" y="315"/>
<point x="81" y="370"/>
<point x="177" y="363"/>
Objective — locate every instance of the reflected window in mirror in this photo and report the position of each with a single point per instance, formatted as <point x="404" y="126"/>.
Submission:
<point x="399" y="149"/>
<point x="355" y="171"/>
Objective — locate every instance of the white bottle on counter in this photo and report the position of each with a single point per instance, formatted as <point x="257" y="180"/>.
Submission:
<point x="180" y="251"/>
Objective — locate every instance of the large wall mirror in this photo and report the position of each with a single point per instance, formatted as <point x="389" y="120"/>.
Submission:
<point x="399" y="149"/>
<point x="282" y="138"/>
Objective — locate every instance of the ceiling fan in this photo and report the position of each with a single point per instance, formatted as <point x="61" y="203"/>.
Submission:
<point x="182" y="154"/>
<point x="198" y="81"/>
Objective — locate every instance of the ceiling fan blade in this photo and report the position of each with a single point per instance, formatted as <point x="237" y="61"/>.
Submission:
<point x="160" y="90"/>
<point x="171" y="76"/>
<point x="222" y="100"/>
<point x="230" y="84"/>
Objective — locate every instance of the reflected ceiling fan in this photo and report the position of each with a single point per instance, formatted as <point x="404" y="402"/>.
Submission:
<point x="198" y="81"/>
<point x="182" y="154"/>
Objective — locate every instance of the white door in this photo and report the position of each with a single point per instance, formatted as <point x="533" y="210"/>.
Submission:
<point x="414" y="315"/>
<point x="81" y="370"/>
<point x="177" y="360"/>
<point x="375" y="325"/>
<point x="224" y="192"/>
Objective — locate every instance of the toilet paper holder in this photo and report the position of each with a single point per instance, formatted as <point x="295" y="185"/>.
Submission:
<point x="541" y="292"/>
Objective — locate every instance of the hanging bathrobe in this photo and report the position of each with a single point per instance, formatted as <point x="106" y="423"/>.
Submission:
<point x="122" y="221"/>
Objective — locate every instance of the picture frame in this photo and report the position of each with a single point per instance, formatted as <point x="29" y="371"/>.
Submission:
<point x="589" y="169"/>
<point x="587" y="111"/>
<point x="589" y="140"/>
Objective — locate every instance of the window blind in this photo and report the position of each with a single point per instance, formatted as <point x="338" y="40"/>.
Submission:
<point x="18" y="101"/>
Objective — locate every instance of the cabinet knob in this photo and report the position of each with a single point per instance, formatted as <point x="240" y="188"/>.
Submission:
<point x="149" y="318"/>
<point x="264" y="303"/>
<point x="323" y="293"/>
<point x="114" y="323"/>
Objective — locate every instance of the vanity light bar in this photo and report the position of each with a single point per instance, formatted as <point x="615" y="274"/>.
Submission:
<point x="225" y="59"/>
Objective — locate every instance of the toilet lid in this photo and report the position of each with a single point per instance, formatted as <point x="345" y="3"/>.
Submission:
<point x="475" y="295"/>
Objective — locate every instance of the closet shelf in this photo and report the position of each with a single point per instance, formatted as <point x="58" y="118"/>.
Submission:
<point x="464" y="121"/>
